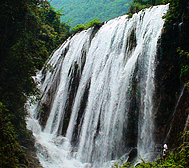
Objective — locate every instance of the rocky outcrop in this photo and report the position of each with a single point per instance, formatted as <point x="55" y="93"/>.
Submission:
<point x="172" y="95"/>
<point x="179" y="123"/>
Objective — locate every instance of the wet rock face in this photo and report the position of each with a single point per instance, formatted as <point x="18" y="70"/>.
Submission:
<point x="186" y="138"/>
<point x="179" y="122"/>
<point x="167" y="86"/>
<point x="132" y="155"/>
<point x="171" y="107"/>
<point x="43" y="114"/>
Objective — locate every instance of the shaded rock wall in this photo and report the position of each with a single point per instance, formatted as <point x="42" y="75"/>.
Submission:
<point x="171" y="104"/>
<point x="179" y="122"/>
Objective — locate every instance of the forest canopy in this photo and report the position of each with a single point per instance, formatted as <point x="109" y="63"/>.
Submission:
<point x="30" y="31"/>
<point x="80" y="12"/>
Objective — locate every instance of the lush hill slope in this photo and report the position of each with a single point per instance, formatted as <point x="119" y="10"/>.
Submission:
<point x="80" y="11"/>
<point x="30" y="31"/>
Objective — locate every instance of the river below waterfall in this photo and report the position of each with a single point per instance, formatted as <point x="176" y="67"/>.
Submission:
<point x="97" y="94"/>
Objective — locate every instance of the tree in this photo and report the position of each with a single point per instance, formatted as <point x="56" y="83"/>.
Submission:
<point x="30" y="31"/>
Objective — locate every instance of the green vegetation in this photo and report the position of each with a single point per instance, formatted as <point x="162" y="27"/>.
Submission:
<point x="80" y="27"/>
<point x="177" y="158"/>
<point x="184" y="56"/>
<point x="30" y="31"/>
<point x="137" y="5"/>
<point x="11" y="153"/>
<point x="79" y="12"/>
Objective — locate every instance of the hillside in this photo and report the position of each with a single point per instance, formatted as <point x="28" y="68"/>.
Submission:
<point x="81" y="12"/>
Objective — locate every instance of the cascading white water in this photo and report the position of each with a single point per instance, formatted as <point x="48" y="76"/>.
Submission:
<point x="100" y="81"/>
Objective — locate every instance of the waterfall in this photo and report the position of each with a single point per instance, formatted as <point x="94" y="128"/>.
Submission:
<point x="97" y="94"/>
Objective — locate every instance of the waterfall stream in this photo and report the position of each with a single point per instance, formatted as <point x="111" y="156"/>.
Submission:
<point x="97" y="94"/>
